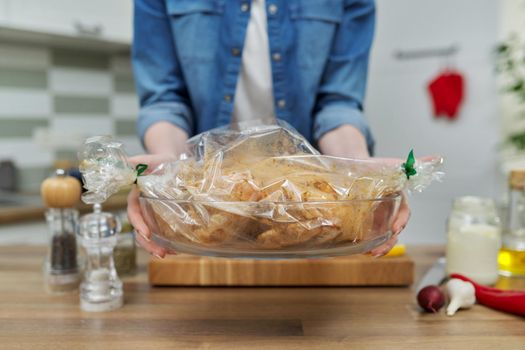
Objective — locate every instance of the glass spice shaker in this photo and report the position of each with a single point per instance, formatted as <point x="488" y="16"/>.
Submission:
<point x="125" y="252"/>
<point x="101" y="289"/>
<point x="60" y="193"/>
<point x="474" y="239"/>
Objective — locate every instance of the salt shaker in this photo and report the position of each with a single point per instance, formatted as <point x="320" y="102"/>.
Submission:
<point x="101" y="289"/>
<point x="60" y="193"/>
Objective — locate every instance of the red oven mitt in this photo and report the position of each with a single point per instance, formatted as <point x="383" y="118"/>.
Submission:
<point x="446" y="91"/>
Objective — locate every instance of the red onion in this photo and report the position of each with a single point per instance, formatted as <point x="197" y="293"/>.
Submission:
<point x="431" y="298"/>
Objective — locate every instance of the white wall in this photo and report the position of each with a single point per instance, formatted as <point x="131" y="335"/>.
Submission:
<point x="400" y="110"/>
<point x="511" y="17"/>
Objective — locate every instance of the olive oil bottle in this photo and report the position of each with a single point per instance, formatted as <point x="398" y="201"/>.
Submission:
<point x="511" y="258"/>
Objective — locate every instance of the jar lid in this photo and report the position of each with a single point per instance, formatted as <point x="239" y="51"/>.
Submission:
<point x="60" y="190"/>
<point x="474" y="204"/>
<point x="517" y="179"/>
<point x="98" y="224"/>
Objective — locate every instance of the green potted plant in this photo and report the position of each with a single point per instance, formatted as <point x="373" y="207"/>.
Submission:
<point x="510" y="65"/>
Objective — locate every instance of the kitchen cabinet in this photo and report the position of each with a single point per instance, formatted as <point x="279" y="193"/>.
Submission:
<point x="105" y="20"/>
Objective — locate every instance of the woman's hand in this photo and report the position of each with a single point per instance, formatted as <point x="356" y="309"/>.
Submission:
<point x="347" y="141"/>
<point x="143" y="236"/>
<point x="400" y="221"/>
<point x="166" y="142"/>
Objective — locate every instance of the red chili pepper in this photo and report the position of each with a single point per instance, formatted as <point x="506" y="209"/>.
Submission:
<point x="511" y="301"/>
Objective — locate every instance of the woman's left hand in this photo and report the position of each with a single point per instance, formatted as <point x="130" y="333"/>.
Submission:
<point x="347" y="141"/>
<point x="398" y="225"/>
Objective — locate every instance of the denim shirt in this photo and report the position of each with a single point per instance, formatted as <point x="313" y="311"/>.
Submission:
<point x="187" y="57"/>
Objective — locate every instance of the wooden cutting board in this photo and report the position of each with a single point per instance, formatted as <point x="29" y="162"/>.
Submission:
<point x="358" y="270"/>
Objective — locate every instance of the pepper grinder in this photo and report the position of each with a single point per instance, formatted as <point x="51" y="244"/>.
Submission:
<point x="60" y="193"/>
<point x="101" y="289"/>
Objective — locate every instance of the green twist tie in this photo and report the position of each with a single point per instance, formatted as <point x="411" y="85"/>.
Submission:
<point x="408" y="166"/>
<point x="141" y="168"/>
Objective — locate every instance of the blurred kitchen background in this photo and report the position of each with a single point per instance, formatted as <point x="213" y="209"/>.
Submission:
<point x="65" y="74"/>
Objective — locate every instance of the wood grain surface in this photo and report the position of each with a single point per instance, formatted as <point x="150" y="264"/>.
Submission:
<point x="27" y="213"/>
<point x="240" y="318"/>
<point x="356" y="270"/>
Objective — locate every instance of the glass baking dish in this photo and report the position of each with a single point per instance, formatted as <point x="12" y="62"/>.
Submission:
<point x="271" y="230"/>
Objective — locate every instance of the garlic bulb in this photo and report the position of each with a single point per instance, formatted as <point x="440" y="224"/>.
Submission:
<point x="462" y="295"/>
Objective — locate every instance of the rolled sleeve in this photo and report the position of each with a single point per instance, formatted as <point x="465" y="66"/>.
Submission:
<point x="332" y="117"/>
<point x="341" y="92"/>
<point x="175" y="113"/>
<point x="159" y="80"/>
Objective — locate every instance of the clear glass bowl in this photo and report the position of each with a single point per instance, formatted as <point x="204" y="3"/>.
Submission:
<point x="271" y="230"/>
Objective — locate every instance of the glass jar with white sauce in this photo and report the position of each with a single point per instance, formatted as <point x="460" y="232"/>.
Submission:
<point x="474" y="239"/>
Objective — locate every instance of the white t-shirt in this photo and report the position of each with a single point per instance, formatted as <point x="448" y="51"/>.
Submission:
<point x="254" y="94"/>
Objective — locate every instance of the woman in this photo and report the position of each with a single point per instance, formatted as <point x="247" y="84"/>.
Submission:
<point x="200" y="64"/>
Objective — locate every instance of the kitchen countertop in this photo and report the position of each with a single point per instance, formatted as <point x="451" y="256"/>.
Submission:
<point x="240" y="318"/>
<point x="36" y="211"/>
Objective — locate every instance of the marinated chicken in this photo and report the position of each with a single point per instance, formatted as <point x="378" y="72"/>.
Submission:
<point x="271" y="203"/>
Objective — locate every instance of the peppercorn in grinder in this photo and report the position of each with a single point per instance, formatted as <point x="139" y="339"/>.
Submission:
<point x="101" y="289"/>
<point x="60" y="193"/>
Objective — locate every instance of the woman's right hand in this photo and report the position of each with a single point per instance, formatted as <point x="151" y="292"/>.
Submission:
<point x="166" y="142"/>
<point x="143" y="236"/>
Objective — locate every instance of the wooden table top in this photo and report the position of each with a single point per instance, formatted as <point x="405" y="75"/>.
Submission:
<point x="240" y="318"/>
<point x="26" y="213"/>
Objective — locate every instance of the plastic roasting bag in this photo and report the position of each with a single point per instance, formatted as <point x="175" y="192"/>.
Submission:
<point x="261" y="188"/>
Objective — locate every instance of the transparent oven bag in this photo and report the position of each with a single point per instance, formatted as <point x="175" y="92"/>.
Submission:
<point x="260" y="191"/>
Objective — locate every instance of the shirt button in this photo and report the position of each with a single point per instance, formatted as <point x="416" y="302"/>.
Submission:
<point x="281" y="103"/>
<point x="236" y="51"/>
<point x="272" y="9"/>
<point x="245" y="7"/>
<point x="227" y="98"/>
<point x="276" y="56"/>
